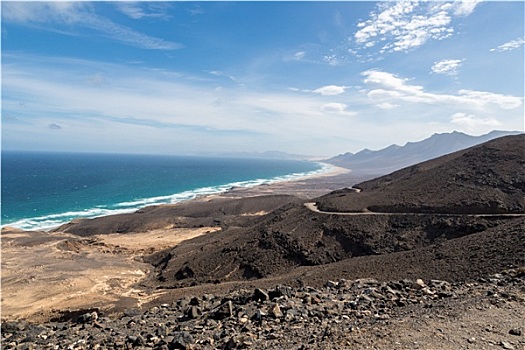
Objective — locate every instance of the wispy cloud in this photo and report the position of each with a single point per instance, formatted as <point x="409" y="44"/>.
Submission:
<point x="138" y="10"/>
<point x="471" y="123"/>
<point x="49" y="15"/>
<point x="196" y="10"/>
<point x="509" y="46"/>
<point x="387" y="105"/>
<point x="337" y="108"/>
<point x="387" y="87"/>
<point x="405" y="25"/>
<point x="330" y="90"/>
<point x="299" y="55"/>
<point x="152" y="106"/>
<point x="446" y="67"/>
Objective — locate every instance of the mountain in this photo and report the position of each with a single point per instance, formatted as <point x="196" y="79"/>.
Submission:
<point x="396" y="157"/>
<point x="484" y="179"/>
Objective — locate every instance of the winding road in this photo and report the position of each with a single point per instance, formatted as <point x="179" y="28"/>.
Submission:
<point x="313" y="207"/>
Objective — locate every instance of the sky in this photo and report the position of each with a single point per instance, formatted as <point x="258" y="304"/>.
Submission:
<point x="313" y="78"/>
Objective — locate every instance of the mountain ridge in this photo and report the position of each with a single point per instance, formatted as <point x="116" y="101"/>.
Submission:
<point x="395" y="157"/>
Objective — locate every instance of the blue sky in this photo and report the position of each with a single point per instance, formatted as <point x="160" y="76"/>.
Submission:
<point x="317" y="78"/>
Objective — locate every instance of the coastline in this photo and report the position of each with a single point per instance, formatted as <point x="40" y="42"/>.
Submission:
<point x="286" y="184"/>
<point x="62" y="254"/>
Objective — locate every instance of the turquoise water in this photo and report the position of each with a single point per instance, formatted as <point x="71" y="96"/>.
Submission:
<point x="44" y="190"/>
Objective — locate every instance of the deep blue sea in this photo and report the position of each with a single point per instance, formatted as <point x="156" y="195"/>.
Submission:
<point x="44" y="190"/>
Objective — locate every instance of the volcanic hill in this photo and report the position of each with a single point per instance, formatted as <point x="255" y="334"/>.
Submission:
<point x="424" y="222"/>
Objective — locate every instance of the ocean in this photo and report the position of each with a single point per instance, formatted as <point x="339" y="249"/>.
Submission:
<point x="44" y="190"/>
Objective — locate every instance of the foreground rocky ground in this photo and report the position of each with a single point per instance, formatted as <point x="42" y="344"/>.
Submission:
<point x="488" y="313"/>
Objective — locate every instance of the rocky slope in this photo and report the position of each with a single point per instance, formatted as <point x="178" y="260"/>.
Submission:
<point x="362" y="313"/>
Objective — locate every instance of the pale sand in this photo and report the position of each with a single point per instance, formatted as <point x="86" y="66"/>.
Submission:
<point x="43" y="272"/>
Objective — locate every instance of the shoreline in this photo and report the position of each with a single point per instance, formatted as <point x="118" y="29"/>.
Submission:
<point x="63" y="255"/>
<point x="227" y="191"/>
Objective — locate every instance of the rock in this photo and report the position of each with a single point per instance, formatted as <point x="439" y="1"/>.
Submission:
<point x="332" y="284"/>
<point x="275" y="311"/>
<point x="260" y="295"/>
<point x="13" y="326"/>
<point x="231" y="343"/>
<point x="162" y="330"/>
<point x="195" y="301"/>
<point x="223" y="311"/>
<point x="418" y="284"/>
<point x="182" y="340"/>
<point x="438" y="284"/>
<point x="281" y="291"/>
<point x="88" y="317"/>
<point x="515" y="331"/>
<point x="193" y="312"/>
<point x="259" y="315"/>
<point x="139" y="341"/>
<point x="507" y="345"/>
<point x="132" y="312"/>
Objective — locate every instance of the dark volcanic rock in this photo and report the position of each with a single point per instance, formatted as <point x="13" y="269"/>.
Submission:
<point x="329" y="317"/>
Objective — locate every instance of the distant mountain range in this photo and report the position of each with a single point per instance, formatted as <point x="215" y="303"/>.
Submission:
<point x="396" y="157"/>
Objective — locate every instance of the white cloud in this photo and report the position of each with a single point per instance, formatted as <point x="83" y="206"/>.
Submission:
<point x="446" y="67"/>
<point x="509" y="46"/>
<point x="332" y="59"/>
<point x="473" y="124"/>
<point x="387" y="105"/>
<point x="41" y="12"/>
<point x="381" y="94"/>
<point x="299" y="55"/>
<point x="330" y="90"/>
<point x="138" y="10"/>
<point x="464" y="7"/>
<point x="337" y="108"/>
<point x="405" y="24"/>
<point x="503" y="101"/>
<point x="196" y="10"/>
<point x="387" y="86"/>
<point x="131" y="9"/>
<point x="50" y="15"/>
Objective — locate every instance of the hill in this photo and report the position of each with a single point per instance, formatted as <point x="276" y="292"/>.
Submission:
<point x="489" y="178"/>
<point x="484" y="179"/>
<point x="396" y="157"/>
